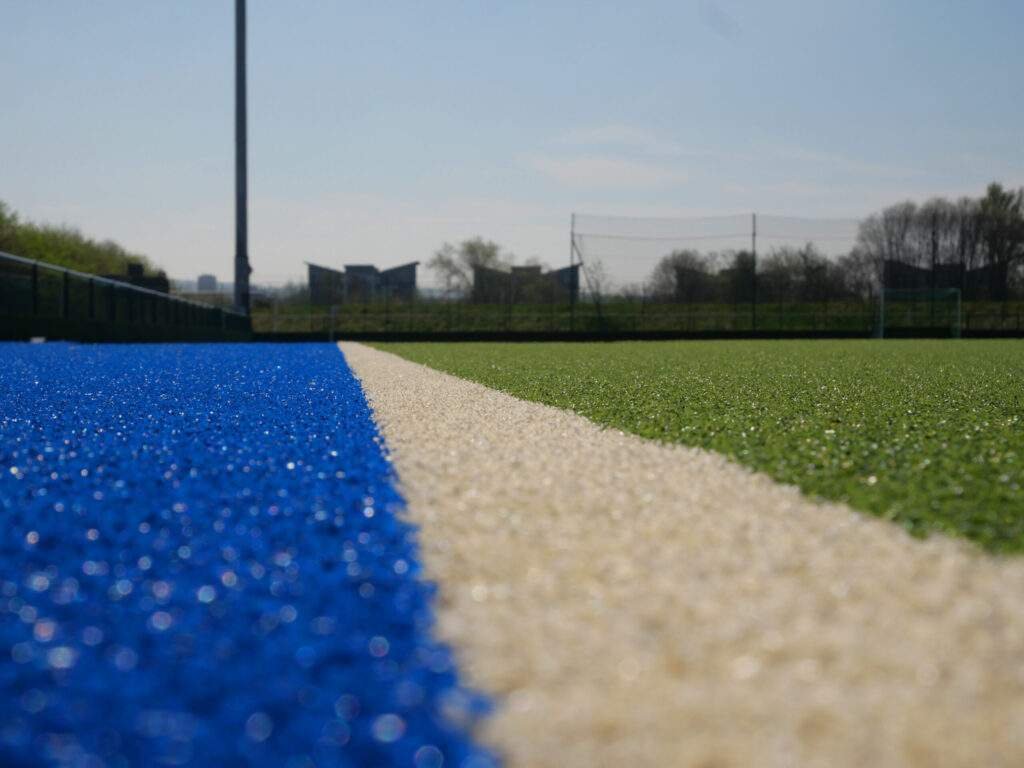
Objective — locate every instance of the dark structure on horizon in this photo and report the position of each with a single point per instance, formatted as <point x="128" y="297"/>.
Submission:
<point x="986" y="283"/>
<point x="525" y="285"/>
<point x="361" y="283"/>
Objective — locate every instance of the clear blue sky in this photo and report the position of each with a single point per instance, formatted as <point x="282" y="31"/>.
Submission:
<point x="380" y="129"/>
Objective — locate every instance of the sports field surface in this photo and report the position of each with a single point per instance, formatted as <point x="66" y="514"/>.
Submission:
<point x="630" y="602"/>
<point x="202" y="564"/>
<point x="929" y="434"/>
<point x="287" y="555"/>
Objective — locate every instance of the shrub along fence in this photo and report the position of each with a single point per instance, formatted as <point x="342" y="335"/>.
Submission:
<point x="42" y="300"/>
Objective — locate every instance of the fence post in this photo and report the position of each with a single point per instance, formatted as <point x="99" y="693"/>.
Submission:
<point x="35" y="289"/>
<point x="881" y="312"/>
<point x="553" y="298"/>
<point x="753" y="272"/>
<point x="508" y="306"/>
<point x="65" y="296"/>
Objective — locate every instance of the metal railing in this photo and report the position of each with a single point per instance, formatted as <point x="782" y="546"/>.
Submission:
<point x="42" y="299"/>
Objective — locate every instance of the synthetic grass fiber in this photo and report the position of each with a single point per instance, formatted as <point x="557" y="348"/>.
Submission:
<point x="926" y="433"/>
<point x="201" y="565"/>
<point x="636" y="603"/>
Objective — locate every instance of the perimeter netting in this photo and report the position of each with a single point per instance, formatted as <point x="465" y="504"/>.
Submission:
<point x="626" y="253"/>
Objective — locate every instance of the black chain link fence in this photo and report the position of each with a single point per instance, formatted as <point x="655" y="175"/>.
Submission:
<point x="42" y="300"/>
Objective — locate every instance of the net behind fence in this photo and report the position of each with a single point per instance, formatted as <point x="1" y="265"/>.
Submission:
<point x="633" y="254"/>
<point x="741" y="274"/>
<point x="729" y="273"/>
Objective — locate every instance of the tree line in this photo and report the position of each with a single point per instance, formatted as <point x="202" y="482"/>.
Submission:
<point x="454" y="264"/>
<point x="65" y="246"/>
<point x="906" y="241"/>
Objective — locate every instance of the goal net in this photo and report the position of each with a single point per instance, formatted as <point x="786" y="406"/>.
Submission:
<point x="910" y="311"/>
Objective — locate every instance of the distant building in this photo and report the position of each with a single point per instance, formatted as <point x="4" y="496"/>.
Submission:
<point x="326" y="286"/>
<point x="361" y="283"/>
<point x="525" y="285"/>
<point x="136" y="275"/>
<point x="206" y="284"/>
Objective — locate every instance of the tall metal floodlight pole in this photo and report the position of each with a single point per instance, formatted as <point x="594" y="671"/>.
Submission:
<point x="242" y="268"/>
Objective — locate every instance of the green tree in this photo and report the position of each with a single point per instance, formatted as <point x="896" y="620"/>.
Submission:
<point x="455" y="264"/>
<point x="65" y="247"/>
<point x="1002" y="224"/>
<point x="8" y="228"/>
<point x="1001" y="218"/>
<point x="683" y="276"/>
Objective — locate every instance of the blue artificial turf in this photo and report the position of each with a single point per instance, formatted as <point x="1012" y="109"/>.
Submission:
<point x="200" y="564"/>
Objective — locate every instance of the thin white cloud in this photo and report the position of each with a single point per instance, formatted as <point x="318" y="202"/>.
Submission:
<point x="790" y="188"/>
<point x="637" y="142"/>
<point x="832" y="162"/>
<point x="605" y="171"/>
<point x="623" y="137"/>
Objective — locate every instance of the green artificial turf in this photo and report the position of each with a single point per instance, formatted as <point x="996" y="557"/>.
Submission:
<point x="927" y="433"/>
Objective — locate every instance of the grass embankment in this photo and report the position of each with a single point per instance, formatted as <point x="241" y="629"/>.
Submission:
<point x="65" y="246"/>
<point x="929" y="434"/>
